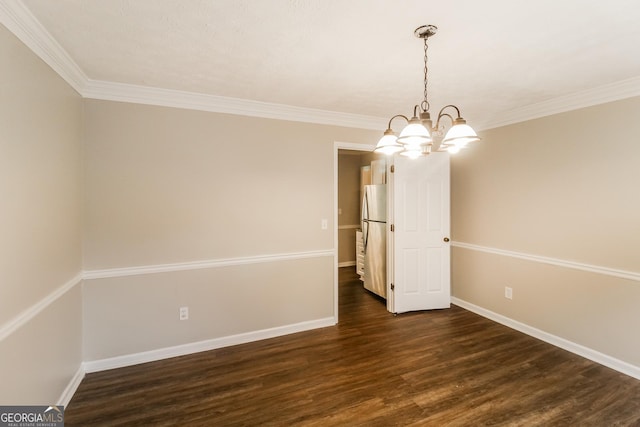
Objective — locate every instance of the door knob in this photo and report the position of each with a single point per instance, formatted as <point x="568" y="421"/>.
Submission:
<point x="446" y="239"/>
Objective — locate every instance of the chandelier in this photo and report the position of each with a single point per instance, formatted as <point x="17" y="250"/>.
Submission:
<point x="416" y="139"/>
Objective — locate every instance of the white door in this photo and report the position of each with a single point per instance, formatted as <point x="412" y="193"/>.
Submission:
<point x="420" y="271"/>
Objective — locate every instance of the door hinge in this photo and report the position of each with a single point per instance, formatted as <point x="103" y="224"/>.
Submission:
<point x="393" y="287"/>
<point x="392" y="228"/>
<point x="393" y="168"/>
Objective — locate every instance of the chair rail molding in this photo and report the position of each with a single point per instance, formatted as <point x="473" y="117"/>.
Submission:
<point x="623" y="274"/>
<point x="197" y="265"/>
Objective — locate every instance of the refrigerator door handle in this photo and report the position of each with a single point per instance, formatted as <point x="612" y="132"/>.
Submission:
<point x="365" y="207"/>
<point x="365" y="219"/>
<point x="365" y="234"/>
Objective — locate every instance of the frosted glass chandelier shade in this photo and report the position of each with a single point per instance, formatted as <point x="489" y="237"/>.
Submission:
<point x="415" y="133"/>
<point x="460" y="134"/>
<point x="388" y="144"/>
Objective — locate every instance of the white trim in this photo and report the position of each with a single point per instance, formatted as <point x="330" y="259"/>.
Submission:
<point x="12" y="325"/>
<point x="121" y="92"/>
<point x="349" y="227"/>
<point x="23" y="24"/>
<point x="197" y="265"/>
<point x="20" y="21"/>
<point x="71" y="388"/>
<point x="355" y="146"/>
<point x="598" y="95"/>
<point x="623" y="274"/>
<point x="596" y="356"/>
<point x="346" y="264"/>
<point x="196" y="347"/>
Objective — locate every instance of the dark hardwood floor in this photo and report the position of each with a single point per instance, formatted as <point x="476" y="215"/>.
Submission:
<point x="447" y="367"/>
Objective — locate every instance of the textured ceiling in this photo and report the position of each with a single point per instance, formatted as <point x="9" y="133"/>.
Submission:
<point x="354" y="56"/>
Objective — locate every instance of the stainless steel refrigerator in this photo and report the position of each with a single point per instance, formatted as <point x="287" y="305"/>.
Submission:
<point x="374" y="235"/>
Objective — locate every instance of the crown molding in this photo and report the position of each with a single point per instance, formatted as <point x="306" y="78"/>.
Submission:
<point x="122" y="92"/>
<point x="20" y="21"/>
<point x="587" y="98"/>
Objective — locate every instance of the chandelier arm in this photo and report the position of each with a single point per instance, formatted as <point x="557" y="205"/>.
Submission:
<point x="437" y="125"/>
<point x="442" y="113"/>
<point x="452" y="106"/>
<point x="396" y="116"/>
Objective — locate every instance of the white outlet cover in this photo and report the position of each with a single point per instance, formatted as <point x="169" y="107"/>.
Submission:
<point x="508" y="292"/>
<point x="184" y="313"/>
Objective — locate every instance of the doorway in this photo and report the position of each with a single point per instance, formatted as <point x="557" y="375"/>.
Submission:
<point x="347" y="209"/>
<point x="418" y="256"/>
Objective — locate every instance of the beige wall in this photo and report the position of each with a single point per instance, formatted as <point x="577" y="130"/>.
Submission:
<point x="40" y="248"/>
<point x="562" y="187"/>
<point x="166" y="186"/>
<point x="134" y="314"/>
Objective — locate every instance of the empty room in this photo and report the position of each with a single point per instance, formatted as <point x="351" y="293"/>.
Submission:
<point x="320" y="212"/>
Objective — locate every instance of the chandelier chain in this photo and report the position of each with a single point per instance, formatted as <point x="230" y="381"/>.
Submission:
<point x="425" y="102"/>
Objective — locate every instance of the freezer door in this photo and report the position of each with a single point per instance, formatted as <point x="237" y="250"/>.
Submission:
<point x="374" y="206"/>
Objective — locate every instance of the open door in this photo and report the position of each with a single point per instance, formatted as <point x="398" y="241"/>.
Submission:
<point x="419" y="262"/>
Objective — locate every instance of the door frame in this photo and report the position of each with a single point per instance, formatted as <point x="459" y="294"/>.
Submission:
<point x="340" y="145"/>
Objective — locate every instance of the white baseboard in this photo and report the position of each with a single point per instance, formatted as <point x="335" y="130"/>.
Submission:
<point x="588" y="353"/>
<point x="71" y="388"/>
<point x="196" y="347"/>
<point x="346" y="264"/>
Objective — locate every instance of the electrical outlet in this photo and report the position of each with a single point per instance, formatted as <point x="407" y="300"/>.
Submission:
<point x="508" y="292"/>
<point x="324" y="224"/>
<point x="184" y="313"/>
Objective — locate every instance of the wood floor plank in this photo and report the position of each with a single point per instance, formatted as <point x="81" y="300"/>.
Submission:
<point x="444" y="367"/>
